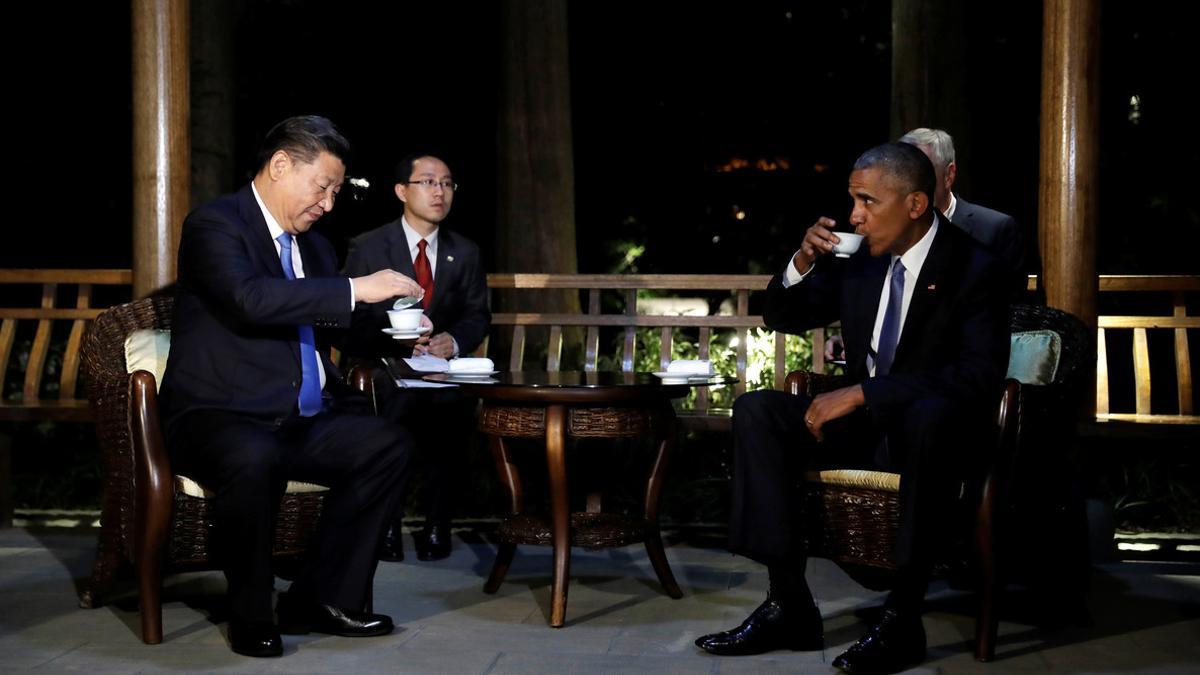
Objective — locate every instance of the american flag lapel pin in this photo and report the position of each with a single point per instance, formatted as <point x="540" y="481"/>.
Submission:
<point x="931" y="287"/>
<point x="449" y="258"/>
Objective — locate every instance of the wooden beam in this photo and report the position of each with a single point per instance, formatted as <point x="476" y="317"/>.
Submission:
<point x="161" y="151"/>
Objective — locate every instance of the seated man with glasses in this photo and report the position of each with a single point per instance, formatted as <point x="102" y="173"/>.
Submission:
<point x="448" y="268"/>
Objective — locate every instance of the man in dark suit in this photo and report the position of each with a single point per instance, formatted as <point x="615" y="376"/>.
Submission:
<point x="998" y="232"/>
<point x="924" y="318"/>
<point x="449" y="268"/>
<point x="251" y="399"/>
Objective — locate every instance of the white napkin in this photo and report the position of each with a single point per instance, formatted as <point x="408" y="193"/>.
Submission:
<point x="472" y="365"/>
<point x="427" y="363"/>
<point x="690" y="367"/>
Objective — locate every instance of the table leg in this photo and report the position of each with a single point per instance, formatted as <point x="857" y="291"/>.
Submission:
<point x="510" y="476"/>
<point x="560" y="510"/>
<point x="665" y="431"/>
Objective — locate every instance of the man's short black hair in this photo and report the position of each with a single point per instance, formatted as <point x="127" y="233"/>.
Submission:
<point x="303" y="138"/>
<point x="905" y="162"/>
<point x="405" y="166"/>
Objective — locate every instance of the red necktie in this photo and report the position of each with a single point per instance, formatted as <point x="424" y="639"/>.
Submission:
<point x="424" y="273"/>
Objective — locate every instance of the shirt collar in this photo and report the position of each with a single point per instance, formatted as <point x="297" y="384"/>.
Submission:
<point x="914" y="257"/>
<point x="272" y="224"/>
<point x="412" y="236"/>
<point x="953" y="205"/>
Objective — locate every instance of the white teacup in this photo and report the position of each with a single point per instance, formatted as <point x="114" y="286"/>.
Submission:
<point x="849" y="244"/>
<point x="405" y="319"/>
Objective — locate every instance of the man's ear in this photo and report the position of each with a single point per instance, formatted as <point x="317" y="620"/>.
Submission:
<point x="951" y="174"/>
<point x="918" y="203"/>
<point x="402" y="192"/>
<point x="279" y="164"/>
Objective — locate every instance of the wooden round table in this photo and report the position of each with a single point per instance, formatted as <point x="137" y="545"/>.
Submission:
<point x="553" y="405"/>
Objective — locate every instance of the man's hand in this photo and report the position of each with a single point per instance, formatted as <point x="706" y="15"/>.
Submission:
<point x="440" y="345"/>
<point x="818" y="241"/>
<point x="383" y="285"/>
<point x="831" y="406"/>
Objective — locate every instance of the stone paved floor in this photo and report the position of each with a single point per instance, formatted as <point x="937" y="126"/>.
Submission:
<point x="1146" y="619"/>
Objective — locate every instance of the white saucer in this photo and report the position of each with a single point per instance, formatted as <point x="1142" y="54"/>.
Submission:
<point x="471" y="373"/>
<point x="400" y="334"/>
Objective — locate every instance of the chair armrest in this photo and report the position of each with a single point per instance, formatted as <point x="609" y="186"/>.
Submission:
<point x="361" y="378"/>
<point x="811" y="384"/>
<point x="153" y="480"/>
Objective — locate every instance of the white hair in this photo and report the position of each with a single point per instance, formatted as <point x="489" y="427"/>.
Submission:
<point x="940" y="144"/>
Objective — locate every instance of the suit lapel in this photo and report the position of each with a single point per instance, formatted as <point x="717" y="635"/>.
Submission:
<point x="926" y="295"/>
<point x="447" y="268"/>
<point x="866" y="286"/>
<point x="258" y="234"/>
<point x="398" y="251"/>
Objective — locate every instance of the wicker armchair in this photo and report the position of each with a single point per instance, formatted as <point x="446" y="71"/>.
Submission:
<point x="151" y="519"/>
<point x="852" y="517"/>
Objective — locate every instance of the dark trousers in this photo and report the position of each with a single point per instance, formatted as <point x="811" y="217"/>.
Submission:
<point x="247" y="461"/>
<point x="772" y="449"/>
<point x="442" y="422"/>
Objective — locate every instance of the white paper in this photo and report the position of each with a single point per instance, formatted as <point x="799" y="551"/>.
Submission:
<point x="423" y="384"/>
<point x="427" y="363"/>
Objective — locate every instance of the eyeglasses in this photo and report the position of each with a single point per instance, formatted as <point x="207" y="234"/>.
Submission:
<point x="429" y="184"/>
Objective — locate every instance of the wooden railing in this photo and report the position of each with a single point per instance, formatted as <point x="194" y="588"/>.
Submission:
<point x="628" y="319"/>
<point x="46" y="315"/>
<point x="1177" y="324"/>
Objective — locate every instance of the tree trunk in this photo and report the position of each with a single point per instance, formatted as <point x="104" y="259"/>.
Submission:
<point x="536" y="176"/>
<point x="929" y="55"/>
<point x="212" y="100"/>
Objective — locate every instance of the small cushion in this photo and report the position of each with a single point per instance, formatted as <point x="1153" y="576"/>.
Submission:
<point x="147" y="349"/>
<point x="856" y="478"/>
<point x="1033" y="357"/>
<point x="191" y="488"/>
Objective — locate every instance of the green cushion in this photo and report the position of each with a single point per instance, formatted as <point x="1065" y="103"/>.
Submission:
<point x="1033" y="358"/>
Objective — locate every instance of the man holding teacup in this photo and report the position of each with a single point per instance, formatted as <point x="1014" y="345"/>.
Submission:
<point x="251" y="399"/>
<point x="925" y="323"/>
<point x="450" y="270"/>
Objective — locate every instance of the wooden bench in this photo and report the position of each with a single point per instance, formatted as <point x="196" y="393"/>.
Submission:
<point x="622" y="292"/>
<point x="45" y="307"/>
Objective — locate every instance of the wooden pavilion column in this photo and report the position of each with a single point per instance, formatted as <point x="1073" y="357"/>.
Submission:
<point x="1067" y="186"/>
<point x="161" y="154"/>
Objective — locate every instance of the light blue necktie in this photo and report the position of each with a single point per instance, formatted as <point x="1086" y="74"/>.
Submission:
<point x="889" y="335"/>
<point x="310" y="383"/>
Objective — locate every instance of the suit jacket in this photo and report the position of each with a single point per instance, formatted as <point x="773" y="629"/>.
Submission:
<point x="1000" y="234"/>
<point x="460" y="295"/>
<point x="234" y="339"/>
<point x="955" y="338"/>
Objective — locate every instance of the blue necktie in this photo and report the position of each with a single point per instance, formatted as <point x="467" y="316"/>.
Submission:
<point x="889" y="335"/>
<point x="310" y="383"/>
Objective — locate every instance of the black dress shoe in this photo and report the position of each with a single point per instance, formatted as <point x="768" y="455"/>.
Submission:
<point x="772" y="626"/>
<point x="391" y="547"/>
<point x="301" y="618"/>
<point x="433" y="543"/>
<point x="894" y="644"/>
<point x="255" y="638"/>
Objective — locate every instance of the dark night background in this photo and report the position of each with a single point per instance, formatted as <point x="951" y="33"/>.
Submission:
<point x="665" y="95"/>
